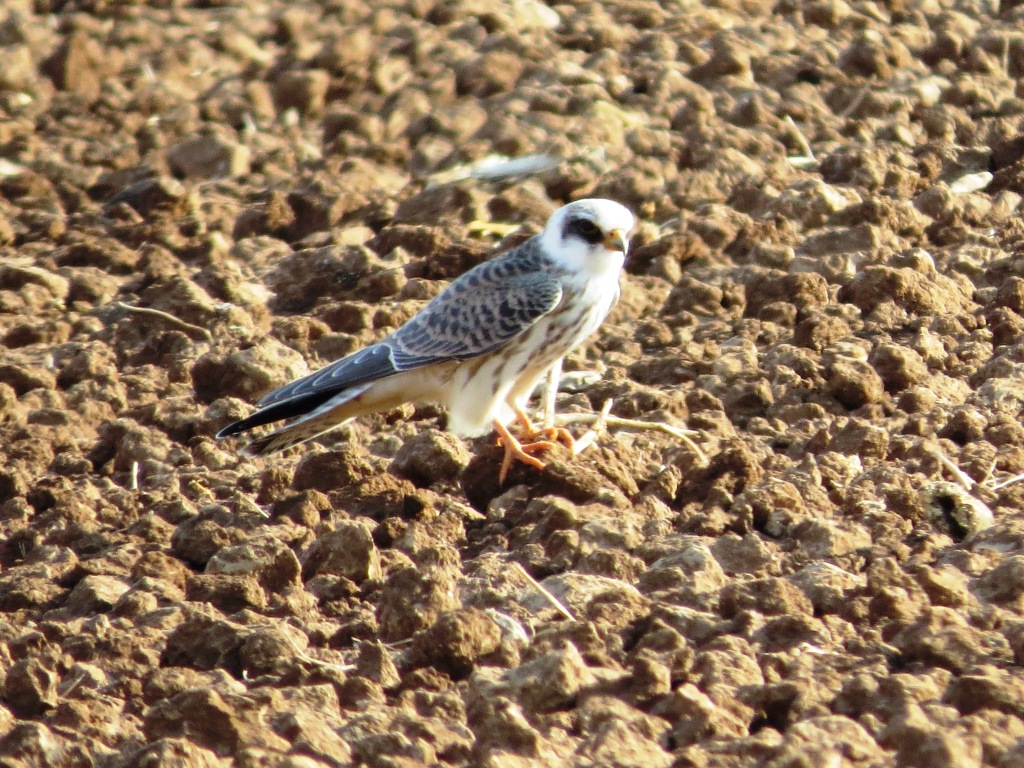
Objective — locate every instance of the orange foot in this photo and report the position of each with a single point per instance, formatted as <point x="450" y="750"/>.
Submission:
<point x="516" y="451"/>
<point x="550" y="434"/>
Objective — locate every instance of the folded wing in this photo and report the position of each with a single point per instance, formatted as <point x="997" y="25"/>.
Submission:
<point x="479" y="313"/>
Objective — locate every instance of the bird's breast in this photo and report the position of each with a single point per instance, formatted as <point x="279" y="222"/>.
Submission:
<point x="479" y="389"/>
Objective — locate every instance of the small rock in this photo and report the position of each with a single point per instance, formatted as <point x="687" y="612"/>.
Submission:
<point x="824" y="538"/>
<point x="804" y="290"/>
<point x="942" y="637"/>
<point x="431" y="456"/>
<point x="413" y="599"/>
<point x="247" y="373"/>
<point x="899" y="367"/>
<point x="625" y="744"/>
<point x="272" y="217"/>
<point x="304" y="91"/>
<point x="727" y="661"/>
<point x="23" y="378"/>
<point x="209" y="157"/>
<point x="328" y="471"/>
<point x="771" y="596"/>
<point x="30" y="688"/>
<point x="310" y="735"/>
<point x="222" y="725"/>
<point x="95" y="594"/>
<point x="906" y="288"/>
<point x="347" y="550"/>
<point x="987" y="687"/>
<point x="19" y="71"/>
<point x="1011" y="294"/>
<point x="826" y="585"/>
<point x="945" y="585"/>
<point x="651" y="671"/>
<point x="730" y="56"/>
<point x="227" y="593"/>
<point x="199" y="538"/>
<point x="304" y="508"/>
<point x="819" y="331"/>
<point x="161" y="193"/>
<point x="178" y="296"/>
<point x="33" y="744"/>
<point x="696" y="296"/>
<point x="272" y="563"/>
<point x="1004" y="584"/>
<point x="456" y="641"/>
<point x="861" y="438"/>
<point x="493" y="72"/>
<point x="552" y="681"/>
<point x="167" y="681"/>
<point x="85" y="361"/>
<point x="950" y="749"/>
<point x="811" y="202"/>
<point x="175" y="753"/>
<point x="873" y="54"/>
<point x="272" y="650"/>
<point x="746" y="554"/>
<point x="691" y="576"/>
<point x="14" y="277"/>
<point x="75" y="66"/>
<point x="854" y="383"/>
<point x="24" y="587"/>
<point x="162" y="567"/>
<point x="578" y="590"/>
<point x="83" y="677"/>
<point x="301" y="278"/>
<point x="697" y="717"/>
<point x="348" y="53"/>
<point x="862" y="238"/>
<point x="374" y="663"/>
<point x="829" y="740"/>
<point x="202" y="642"/>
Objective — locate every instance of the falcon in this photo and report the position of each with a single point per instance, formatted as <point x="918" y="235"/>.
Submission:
<point x="479" y="348"/>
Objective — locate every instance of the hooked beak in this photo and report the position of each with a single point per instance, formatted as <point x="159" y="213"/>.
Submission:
<point x="616" y="240"/>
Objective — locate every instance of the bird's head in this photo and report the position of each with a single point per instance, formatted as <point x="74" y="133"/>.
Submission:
<point x="590" y="236"/>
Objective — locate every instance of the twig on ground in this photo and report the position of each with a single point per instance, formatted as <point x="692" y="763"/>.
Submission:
<point x="852" y="106"/>
<point x="683" y="435"/>
<point x="965" y="480"/>
<point x="166" y="318"/>
<point x="555" y="602"/>
<point x="303" y="656"/>
<point x="591" y="435"/>
<point x="807" y="157"/>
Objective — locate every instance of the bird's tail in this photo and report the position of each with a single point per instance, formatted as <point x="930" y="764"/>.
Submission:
<point x="317" y="414"/>
<point x="291" y="435"/>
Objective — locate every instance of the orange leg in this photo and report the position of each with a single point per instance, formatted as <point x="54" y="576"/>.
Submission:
<point x="551" y="434"/>
<point x="516" y="451"/>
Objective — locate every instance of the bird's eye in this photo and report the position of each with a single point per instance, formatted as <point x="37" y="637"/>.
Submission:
<point x="588" y="230"/>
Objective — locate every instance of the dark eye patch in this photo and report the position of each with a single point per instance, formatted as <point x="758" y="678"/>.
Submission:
<point x="583" y="228"/>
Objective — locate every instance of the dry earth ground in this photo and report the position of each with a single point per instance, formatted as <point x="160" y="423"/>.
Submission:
<point x="201" y="200"/>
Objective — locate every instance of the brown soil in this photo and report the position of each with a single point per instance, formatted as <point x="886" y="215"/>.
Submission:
<point x="202" y="200"/>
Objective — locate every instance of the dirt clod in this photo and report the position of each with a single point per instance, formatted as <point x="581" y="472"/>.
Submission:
<point x="202" y="201"/>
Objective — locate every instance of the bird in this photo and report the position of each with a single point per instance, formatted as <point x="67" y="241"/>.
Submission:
<point x="479" y="348"/>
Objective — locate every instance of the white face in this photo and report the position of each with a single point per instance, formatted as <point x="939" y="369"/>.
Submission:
<point x="589" y="237"/>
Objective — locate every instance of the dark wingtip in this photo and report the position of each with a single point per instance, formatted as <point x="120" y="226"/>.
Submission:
<point x="229" y="430"/>
<point x="243" y="425"/>
<point x="287" y="409"/>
